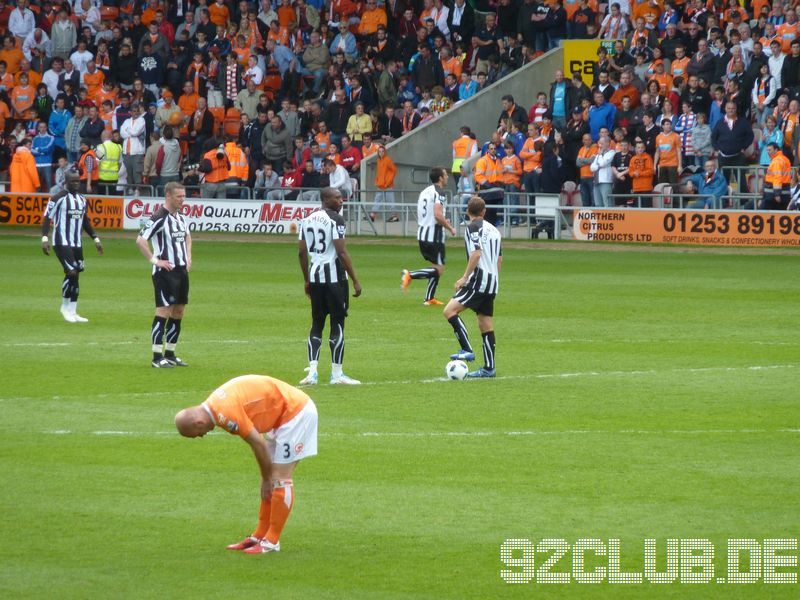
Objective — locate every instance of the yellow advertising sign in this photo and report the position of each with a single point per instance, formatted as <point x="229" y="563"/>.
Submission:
<point x="581" y="56"/>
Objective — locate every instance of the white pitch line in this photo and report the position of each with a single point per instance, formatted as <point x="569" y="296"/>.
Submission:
<point x="600" y="374"/>
<point x="670" y="341"/>
<point x="125" y="343"/>
<point x="447" y="434"/>
<point x="139" y="342"/>
<point x="577" y="374"/>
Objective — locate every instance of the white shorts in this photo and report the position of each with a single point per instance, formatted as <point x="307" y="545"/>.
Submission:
<point x="296" y="439"/>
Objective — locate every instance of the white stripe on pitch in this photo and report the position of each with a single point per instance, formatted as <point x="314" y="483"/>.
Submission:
<point x="577" y="374"/>
<point x="445" y="434"/>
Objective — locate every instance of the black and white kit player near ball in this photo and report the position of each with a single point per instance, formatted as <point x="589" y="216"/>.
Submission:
<point x="171" y="258"/>
<point x="67" y="213"/>
<point x="478" y="287"/>
<point x="326" y="265"/>
<point x="432" y="224"/>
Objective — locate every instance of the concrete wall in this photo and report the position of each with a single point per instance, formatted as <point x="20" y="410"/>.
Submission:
<point x="431" y="144"/>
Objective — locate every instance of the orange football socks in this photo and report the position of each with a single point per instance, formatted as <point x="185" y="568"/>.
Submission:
<point x="280" y="508"/>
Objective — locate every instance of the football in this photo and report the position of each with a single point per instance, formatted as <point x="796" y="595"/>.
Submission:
<point x="456" y="369"/>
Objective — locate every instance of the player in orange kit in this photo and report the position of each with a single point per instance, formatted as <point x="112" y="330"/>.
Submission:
<point x="279" y="422"/>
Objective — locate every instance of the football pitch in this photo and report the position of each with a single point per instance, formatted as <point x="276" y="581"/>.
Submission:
<point x="645" y="394"/>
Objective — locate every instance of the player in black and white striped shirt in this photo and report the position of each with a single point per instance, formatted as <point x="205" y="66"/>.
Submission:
<point x="67" y="212"/>
<point x="477" y="288"/>
<point x="326" y="264"/>
<point x="172" y="260"/>
<point x="430" y="235"/>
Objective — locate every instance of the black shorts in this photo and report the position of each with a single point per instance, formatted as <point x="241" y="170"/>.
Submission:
<point x="330" y="299"/>
<point x="433" y="252"/>
<point x="483" y="304"/>
<point x="171" y="287"/>
<point x="70" y="257"/>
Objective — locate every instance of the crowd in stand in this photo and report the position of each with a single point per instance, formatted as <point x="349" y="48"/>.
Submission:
<point x="221" y="92"/>
<point x="683" y="98"/>
<point x="295" y="93"/>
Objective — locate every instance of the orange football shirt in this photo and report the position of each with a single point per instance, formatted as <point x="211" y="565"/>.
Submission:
<point x="254" y="402"/>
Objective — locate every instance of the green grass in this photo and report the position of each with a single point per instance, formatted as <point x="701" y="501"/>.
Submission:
<point x="628" y="406"/>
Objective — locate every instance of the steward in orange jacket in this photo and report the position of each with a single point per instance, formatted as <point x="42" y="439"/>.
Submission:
<point x="23" y="173"/>
<point x="777" y="181"/>
<point x="384" y="179"/>
<point x="489" y="170"/>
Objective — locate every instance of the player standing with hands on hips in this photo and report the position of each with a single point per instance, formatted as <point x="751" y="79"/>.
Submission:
<point x="172" y="260"/>
<point x="67" y="212"/>
<point x="477" y="288"/>
<point x="279" y="423"/>
<point x="326" y="265"/>
<point x="430" y="235"/>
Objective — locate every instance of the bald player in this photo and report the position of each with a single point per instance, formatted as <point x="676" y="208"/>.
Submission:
<point x="279" y="423"/>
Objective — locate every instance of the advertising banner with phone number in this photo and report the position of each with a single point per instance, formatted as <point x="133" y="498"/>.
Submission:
<point x="105" y="212"/>
<point x="699" y="227"/>
<point x="233" y="216"/>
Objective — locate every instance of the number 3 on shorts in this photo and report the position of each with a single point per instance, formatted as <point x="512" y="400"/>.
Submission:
<point x="287" y="451"/>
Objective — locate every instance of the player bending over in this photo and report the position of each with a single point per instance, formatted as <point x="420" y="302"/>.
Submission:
<point x="279" y="422"/>
<point x="325" y="276"/>
<point x="477" y="288"/>
<point x="67" y="211"/>
<point x="430" y="234"/>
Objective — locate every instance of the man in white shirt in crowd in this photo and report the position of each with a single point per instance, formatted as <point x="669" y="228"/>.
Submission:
<point x="603" y="176"/>
<point x="21" y="21"/>
<point x="338" y="178"/>
<point x="133" y="139"/>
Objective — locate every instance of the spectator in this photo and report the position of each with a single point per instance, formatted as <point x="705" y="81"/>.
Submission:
<point x="620" y="168"/>
<point x="277" y="143"/>
<point x="350" y="158"/>
<point x="601" y="115"/>
<point x="316" y="58"/>
<point x="710" y="186"/>
<point x="389" y="126"/>
<point x="512" y="180"/>
<point x="771" y="134"/>
<point x="384" y="181"/>
<point x="89" y="168"/>
<point x="583" y="161"/>
<point x="344" y="43"/>
<point x="247" y="100"/>
<point x="427" y="70"/>
<point x="215" y="167"/>
<point x="93" y="128"/>
<point x="358" y="124"/>
<point x="731" y="137"/>
<point x="63" y="36"/>
<point x="22" y="171"/>
<point x="238" y="173"/>
<point x="168" y="158"/>
<point x="701" y="140"/>
<point x="42" y="149"/>
<point x="777" y="180"/>
<point x="311" y="181"/>
<point x="667" y="159"/>
<point x="22" y="21"/>
<point x="266" y="180"/>
<point x="337" y="115"/>
<point x="604" y="177"/>
<point x="133" y="133"/>
<point x="338" y="178"/>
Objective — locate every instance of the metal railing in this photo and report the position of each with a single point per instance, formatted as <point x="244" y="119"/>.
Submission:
<point x="682" y="201"/>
